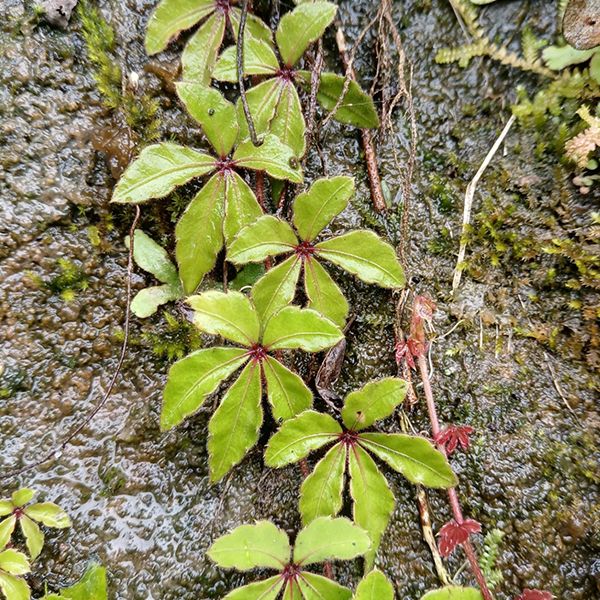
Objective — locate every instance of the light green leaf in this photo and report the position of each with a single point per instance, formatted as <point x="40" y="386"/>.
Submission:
<point x="288" y="123"/>
<point x="316" y="587"/>
<point x="559" y="57"/>
<point x="595" y="67"/>
<point x="373" y="501"/>
<point x="92" y="586"/>
<point x="255" y="27"/>
<point x="268" y="236"/>
<point x="241" y="206"/>
<point x="34" y="538"/>
<point x="323" y="293"/>
<point x="158" y="170"/>
<point x="453" y="592"/>
<point x="6" y="507"/>
<point x="7" y="526"/>
<point x="230" y="315"/>
<point x="287" y="393"/>
<point x="233" y="429"/>
<point x="14" y="588"/>
<point x="201" y="51"/>
<point x="325" y="199"/>
<point x="262" y="102"/>
<point x="277" y="287"/>
<point x="298" y="437"/>
<point x="22" y="496"/>
<point x="321" y="491"/>
<point x="301" y="27"/>
<point x="199" y="233"/>
<point x="49" y="514"/>
<point x="251" y="546"/>
<point x="374" y="586"/>
<point x="330" y="539"/>
<point x="294" y="327"/>
<point x="366" y="255"/>
<point x="259" y="59"/>
<point x="373" y="402"/>
<point x="292" y="591"/>
<point x="14" y="562"/>
<point x="261" y="590"/>
<point x="147" y="301"/>
<point x="153" y="258"/>
<point x="170" y="18"/>
<point x="216" y="115"/>
<point x="193" y="378"/>
<point x="356" y="108"/>
<point x="272" y="156"/>
<point x="413" y="456"/>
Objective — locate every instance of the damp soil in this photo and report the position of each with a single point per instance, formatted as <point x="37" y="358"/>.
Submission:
<point x="140" y="500"/>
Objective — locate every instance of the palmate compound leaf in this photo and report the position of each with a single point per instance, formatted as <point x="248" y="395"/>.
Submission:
<point x="263" y="100"/>
<point x="158" y="170"/>
<point x="373" y="501"/>
<point x="14" y="562"/>
<point x="252" y="546"/>
<point x="373" y="402"/>
<point x="259" y="59"/>
<point x="288" y="122"/>
<point x="453" y="592"/>
<point x="317" y="587"/>
<point x="267" y="589"/>
<point x="413" y="456"/>
<point x="301" y="27"/>
<point x="277" y="287"/>
<point x="34" y="538"/>
<point x="374" y="586"/>
<point x="299" y="436"/>
<point x="13" y="587"/>
<point x="366" y="255"/>
<point x="234" y="427"/>
<point x="330" y="539"/>
<point x="287" y="393"/>
<point x="323" y="293"/>
<point x="22" y="496"/>
<point x="7" y="526"/>
<point x="48" y="514"/>
<point x="195" y="377"/>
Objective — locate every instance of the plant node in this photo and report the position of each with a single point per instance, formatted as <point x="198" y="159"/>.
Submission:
<point x="225" y="166"/>
<point x="291" y="572"/>
<point x="287" y="74"/>
<point x="349" y="438"/>
<point x="304" y="250"/>
<point x="257" y="353"/>
<point x="223" y="6"/>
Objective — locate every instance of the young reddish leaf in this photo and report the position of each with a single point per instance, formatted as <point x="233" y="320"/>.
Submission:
<point x="453" y="534"/>
<point x="453" y="436"/>
<point x="535" y="595"/>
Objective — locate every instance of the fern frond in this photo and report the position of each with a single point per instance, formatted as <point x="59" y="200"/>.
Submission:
<point x="531" y="45"/>
<point x="461" y="54"/>
<point x="468" y="13"/>
<point x="489" y="555"/>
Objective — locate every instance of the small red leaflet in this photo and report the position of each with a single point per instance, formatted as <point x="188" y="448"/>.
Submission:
<point x="535" y="595"/>
<point x="452" y="534"/>
<point x="453" y="436"/>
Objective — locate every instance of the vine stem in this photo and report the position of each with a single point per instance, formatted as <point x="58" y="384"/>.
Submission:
<point x="452" y="494"/>
<point x="57" y="451"/>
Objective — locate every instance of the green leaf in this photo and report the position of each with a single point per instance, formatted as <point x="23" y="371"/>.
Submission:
<point x="374" y="586"/>
<point x="7" y="526"/>
<point x="272" y="156"/>
<point x="170" y="18"/>
<point x="230" y="315"/>
<point x="288" y="123"/>
<point x="316" y="587"/>
<point x="277" y="287"/>
<point x="147" y="301"/>
<point x="294" y="327"/>
<point x="321" y="491"/>
<point x="241" y="206"/>
<point x="413" y="456"/>
<point x="255" y="27"/>
<point x="247" y="277"/>
<point x="92" y="586"/>
<point x="200" y="54"/>
<point x="261" y="590"/>
<point x="233" y="429"/>
<point x="595" y="67"/>
<point x="251" y="546"/>
<point x="49" y="514"/>
<point x="14" y="562"/>
<point x="153" y="258"/>
<point x="199" y="233"/>
<point x="373" y="501"/>
<point x="216" y="115"/>
<point x="195" y="377"/>
<point x="299" y="436"/>
<point x="301" y="27"/>
<point x="330" y="539"/>
<point x="14" y="588"/>
<point x="34" y="538"/>
<point x="357" y="106"/>
<point x="287" y="393"/>
<point x="22" y="496"/>
<point x="259" y="59"/>
<point x="325" y="199"/>
<point x="453" y="592"/>
<point x="158" y="170"/>
<point x="292" y="591"/>
<point x="323" y="293"/>
<point x="6" y="507"/>
<point x="366" y="255"/>
<point x="373" y="402"/>
<point x="263" y="100"/>
<point x="559" y="57"/>
<point x="268" y="236"/>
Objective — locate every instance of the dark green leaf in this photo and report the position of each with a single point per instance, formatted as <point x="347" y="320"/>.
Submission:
<point x="323" y="293"/>
<point x="288" y="123"/>
<point x="366" y="255"/>
<point x="325" y="199"/>
<point x="316" y="587"/>
<point x="277" y="287"/>
<point x="193" y="378"/>
<point x="233" y="429"/>
<point x="259" y="59"/>
<point x="286" y="391"/>
<point x="200" y="53"/>
<point x="299" y="436"/>
<point x="92" y="586"/>
<point x="453" y="592"/>
<point x="374" y="586"/>
<point x="247" y="277"/>
<point x="241" y="207"/>
<point x="260" y="590"/>
<point x="413" y="456"/>
<point x="158" y="170"/>
<point x="301" y="27"/>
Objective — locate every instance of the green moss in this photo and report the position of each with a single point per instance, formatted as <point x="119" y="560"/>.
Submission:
<point x="174" y="341"/>
<point x="70" y="280"/>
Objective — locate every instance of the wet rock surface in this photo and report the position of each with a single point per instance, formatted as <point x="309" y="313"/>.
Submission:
<point x="140" y="499"/>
